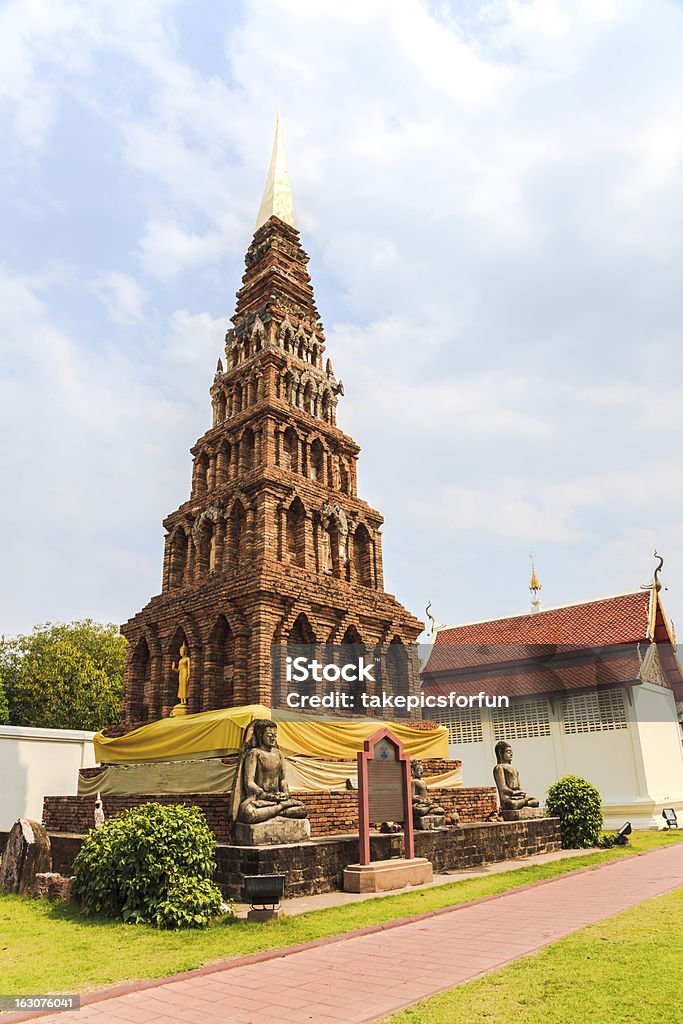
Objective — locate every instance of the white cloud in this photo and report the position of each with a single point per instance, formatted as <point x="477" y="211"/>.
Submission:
<point x="166" y="249"/>
<point x="122" y="296"/>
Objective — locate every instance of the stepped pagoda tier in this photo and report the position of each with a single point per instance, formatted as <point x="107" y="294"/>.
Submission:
<point x="273" y="545"/>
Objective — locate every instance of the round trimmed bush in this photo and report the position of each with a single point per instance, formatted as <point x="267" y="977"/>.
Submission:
<point x="152" y="864"/>
<point x="577" y="803"/>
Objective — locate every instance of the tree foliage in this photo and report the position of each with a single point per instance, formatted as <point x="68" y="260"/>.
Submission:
<point x="64" y="675"/>
<point x="153" y="865"/>
<point x="4" y="703"/>
<point x="578" y="805"/>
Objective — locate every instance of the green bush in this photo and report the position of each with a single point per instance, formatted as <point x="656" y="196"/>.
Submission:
<point x="152" y="864"/>
<point x="189" y="903"/>
<point x="577" y="803"/>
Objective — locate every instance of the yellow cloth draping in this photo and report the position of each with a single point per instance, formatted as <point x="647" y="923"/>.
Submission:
<point x="203" y="776"/>
<point x="208" y="734"/>
<point x="304" y="774"/>
<point x="447" y="780"/>
<point x="216" y="733"/>
<point x="344" y="737"/>
<point x="209" y="776"/>
<point x="310" y="775"/>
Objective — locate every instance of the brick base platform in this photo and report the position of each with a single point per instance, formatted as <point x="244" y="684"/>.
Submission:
<point x="318" y="866"/>
<point x="330" y="813"/>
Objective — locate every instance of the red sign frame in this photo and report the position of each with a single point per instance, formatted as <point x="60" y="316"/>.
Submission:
<point x="363" y="756"/>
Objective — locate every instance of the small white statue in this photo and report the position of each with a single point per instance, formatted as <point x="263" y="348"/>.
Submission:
<point x="99" y="811"/>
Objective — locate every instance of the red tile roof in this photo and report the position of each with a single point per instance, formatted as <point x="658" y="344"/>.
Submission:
<point x="613" y="667"/>
<point x="609" y="620"/>
<point x="568" y="648"/>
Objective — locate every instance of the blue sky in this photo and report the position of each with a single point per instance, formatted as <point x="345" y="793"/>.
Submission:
<point x="492" y="198"/>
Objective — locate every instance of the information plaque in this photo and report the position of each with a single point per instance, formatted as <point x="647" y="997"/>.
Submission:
<point x="384" y="789"/>
<point x="386" y="792"/>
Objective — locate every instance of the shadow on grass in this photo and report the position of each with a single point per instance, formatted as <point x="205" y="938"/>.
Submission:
<point x="75" y="914"/>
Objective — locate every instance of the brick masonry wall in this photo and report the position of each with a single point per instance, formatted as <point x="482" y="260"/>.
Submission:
<point x="329" y="813"/>
<point x="437" y="765"/>
<point x="318" y="866"/>
<point x="244" y="563"/>
<point x="75" y="813"/>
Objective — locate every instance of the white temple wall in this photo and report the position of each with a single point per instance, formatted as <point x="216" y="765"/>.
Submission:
<point x="535" y="759"/>
<point x="606" y="759"/>
<point x="659" y="736"/>
<point x="636" y="762"/>
<point x="477" y="762"/>
<point x="39" y="762"/>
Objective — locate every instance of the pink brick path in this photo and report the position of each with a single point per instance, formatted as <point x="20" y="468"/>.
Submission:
<point x="368" y="976"/>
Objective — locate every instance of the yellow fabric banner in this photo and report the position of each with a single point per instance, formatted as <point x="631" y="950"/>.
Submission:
<point x="217" y="733"/>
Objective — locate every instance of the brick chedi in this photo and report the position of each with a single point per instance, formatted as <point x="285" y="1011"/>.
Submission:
<point x="273" y="545"/>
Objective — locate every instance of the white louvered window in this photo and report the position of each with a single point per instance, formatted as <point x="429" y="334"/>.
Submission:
<point x="523" y="720"/>
<point x="594" y="711"/>
<point x="464" y="724"/>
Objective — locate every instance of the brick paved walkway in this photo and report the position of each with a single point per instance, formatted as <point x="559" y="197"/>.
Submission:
<point x="368" y="976"/>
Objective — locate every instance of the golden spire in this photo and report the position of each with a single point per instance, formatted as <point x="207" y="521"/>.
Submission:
<point x="277" y="193"/>
<point x="534" y="588"/>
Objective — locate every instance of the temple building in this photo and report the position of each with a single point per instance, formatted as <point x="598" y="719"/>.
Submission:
<point x="273" y="545"/>
<point x="595" y="690"/>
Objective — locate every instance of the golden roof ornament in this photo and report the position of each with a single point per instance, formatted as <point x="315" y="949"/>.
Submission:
<point x="534" y="588"/>
<point x="277" y="193"/>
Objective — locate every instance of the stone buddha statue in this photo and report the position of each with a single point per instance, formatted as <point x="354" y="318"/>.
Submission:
<point x="512" y="796"/>
<point x="260" y="792"/>
<point x="426" y="814"/>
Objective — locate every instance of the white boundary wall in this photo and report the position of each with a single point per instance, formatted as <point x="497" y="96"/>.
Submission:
<point x="638" y="768"/>
<point x="39" y="762"/>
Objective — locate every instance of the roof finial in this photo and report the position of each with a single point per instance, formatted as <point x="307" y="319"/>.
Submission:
<point x="656" y="583"/>
<point x="534" y="588"/>
<point x="432" y="620"/>
<point x="277" y="193"/>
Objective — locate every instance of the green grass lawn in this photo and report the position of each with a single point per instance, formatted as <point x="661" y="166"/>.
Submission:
<point x="626" y="968"/>
<point x="54" y="948"/>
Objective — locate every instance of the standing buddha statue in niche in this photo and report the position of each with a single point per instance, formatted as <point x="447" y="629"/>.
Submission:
<point x="183" y="672"/>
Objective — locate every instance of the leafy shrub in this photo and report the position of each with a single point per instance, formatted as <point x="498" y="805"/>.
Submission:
<point x="152" y="864"/>
<point x="577" y="803"/>
<point x="606" y="841"/>
<point x="189" y="903"/>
